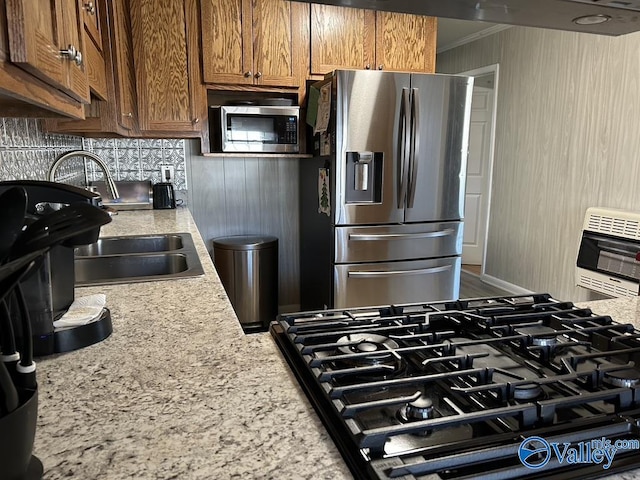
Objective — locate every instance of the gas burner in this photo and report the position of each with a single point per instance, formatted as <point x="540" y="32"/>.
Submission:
<point x="540" y="335"/>
<point x="369" y="350"/>
<point x="419" y="409"/>
<point x="379" y="346"/>
<point x="625" y="378"/>
<point x="527" y="391"/>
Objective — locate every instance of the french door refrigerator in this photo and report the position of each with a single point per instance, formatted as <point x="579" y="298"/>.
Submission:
<point x="381" y="214"/>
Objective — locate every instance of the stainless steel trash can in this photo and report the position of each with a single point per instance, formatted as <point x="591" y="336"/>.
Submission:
<point x="248" y="268"/>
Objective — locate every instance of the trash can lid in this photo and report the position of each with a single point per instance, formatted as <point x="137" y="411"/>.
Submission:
<point x="245" y="242"/>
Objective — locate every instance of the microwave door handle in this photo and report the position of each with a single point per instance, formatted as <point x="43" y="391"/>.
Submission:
<point x="403" y="143"/>
<point x="415" y="146"/>
<point x="398" y="273"/>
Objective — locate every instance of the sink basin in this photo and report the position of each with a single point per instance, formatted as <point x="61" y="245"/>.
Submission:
<point x="132" y="244"/>
<point x="133" y="268"/>
<point x="137" y="258"/>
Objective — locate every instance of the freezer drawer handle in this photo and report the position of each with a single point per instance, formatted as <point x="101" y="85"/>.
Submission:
<point x="394" y="273"/>
<point x="400" y="236"/>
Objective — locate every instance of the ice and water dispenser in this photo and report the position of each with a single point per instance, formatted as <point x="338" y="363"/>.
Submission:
<point x="364" y="177"/>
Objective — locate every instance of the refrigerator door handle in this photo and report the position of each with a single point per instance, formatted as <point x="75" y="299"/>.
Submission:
<point x="395" y="273"/>
<point x="414" y="148"/>
<point x="403" y="147"/>
<point x="400" y="236"/>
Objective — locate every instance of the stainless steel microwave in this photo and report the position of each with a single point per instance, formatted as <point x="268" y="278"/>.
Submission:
<point x="254" y="129"/>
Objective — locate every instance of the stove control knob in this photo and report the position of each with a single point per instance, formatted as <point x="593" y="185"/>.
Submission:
<point x="420" y="409"/>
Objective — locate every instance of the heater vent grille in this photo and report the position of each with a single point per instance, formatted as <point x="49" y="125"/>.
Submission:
<point x="616" y="226"/>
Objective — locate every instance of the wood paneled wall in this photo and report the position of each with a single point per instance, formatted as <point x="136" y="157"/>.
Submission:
<point x="567" y="138"/>
<point x="247" y="196"/>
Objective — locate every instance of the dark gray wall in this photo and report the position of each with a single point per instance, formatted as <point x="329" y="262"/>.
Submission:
<point x="249" y="195"/>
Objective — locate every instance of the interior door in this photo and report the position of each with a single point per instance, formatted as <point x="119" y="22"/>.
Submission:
<point x="368" y="111"/>
<point x="441" y="110"/>
<point x="477" y="190"/>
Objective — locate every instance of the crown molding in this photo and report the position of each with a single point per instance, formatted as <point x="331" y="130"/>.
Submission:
<point x="473" y="37"/>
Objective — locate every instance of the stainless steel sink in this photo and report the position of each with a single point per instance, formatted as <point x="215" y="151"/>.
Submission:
<point x="137" y="258"/>
<point x="132" y="244"/>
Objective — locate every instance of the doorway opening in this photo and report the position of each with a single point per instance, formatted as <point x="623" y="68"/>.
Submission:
<point x="479" y="168"/>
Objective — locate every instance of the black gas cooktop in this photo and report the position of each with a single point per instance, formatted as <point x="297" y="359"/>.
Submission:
<point x="490" y="388"/>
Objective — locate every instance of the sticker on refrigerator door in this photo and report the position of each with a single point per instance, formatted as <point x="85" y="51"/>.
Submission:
<point x="324" y="205"/>
<point x="324" y="109"/>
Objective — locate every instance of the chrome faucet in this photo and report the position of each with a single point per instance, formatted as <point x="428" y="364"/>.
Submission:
<point x="111" y="185"/>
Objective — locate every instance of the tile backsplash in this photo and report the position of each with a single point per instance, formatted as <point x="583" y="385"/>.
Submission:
<point x="140" y="159"/>
<point x="27" y="152"/>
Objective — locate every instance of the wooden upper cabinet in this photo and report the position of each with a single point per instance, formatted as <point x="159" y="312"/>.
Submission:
<point x="252" y="42"/>
<point x="166" y="57"/>
<point x="46" y="39"/>
<point x="354" y="38"/>
<point x="405" y="42"/>
<point x="341" y="38"/>
<point x="117" y="112"/>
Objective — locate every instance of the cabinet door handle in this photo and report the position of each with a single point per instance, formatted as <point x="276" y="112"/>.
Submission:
<point x="247" y="74"/>
<point x="128" y="115"/>
<point x="196" y="120"/>
<point x="258" y="75"/>
<point x="69" y="53"/>
<point x="72" y="54"/>
<point x="380" y="67"/>
<point x="90" y="8"/>
<point x="367" y="66"/>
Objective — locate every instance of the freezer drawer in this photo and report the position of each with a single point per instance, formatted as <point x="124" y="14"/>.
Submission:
<point x="398" y="242"/>
<point x="396" y="282"/>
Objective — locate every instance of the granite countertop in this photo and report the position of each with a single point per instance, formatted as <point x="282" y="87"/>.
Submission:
<point x="179" y="392"/>
<point x="622" y="310"/>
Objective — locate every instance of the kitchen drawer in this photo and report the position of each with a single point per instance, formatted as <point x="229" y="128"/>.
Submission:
<point x="396" y="282"/>
<point x="398" y="242"/>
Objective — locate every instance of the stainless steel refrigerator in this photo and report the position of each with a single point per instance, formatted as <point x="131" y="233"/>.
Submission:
<point x="381" y="216"/>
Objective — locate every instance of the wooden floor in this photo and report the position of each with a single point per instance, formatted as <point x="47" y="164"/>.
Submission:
<point x="472" y="287"/>
<point x="477" y="269"/>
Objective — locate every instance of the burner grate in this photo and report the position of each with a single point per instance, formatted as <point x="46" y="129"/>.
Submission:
<point x="456" y="386"/>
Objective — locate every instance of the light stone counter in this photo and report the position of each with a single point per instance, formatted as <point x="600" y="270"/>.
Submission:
<point x="621" y="310"/>
<point x="177" y="391"/>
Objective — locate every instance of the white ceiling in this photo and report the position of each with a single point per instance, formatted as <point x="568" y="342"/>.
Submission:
<point x="452" y="33"/>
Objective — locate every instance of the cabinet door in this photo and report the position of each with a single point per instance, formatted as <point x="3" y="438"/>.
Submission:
<point x="91" y="15"/>
<point x="405" y="42"/>
<point x="94" y="57"/>
<point x="39" y="32"/>
<point x="275" y="54"/>
<point x="122" y="63"/>
<point x="227" y="36"/>
<point x="73" y="28"/>
<point x="341" y="38"/>
<point x="165" y="49"/>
